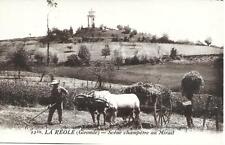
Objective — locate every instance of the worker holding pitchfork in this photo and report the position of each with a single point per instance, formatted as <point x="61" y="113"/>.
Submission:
<point x="56" y="101"/>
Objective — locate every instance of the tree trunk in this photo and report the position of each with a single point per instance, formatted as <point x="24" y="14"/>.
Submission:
<point x="48" y="60"/>
<point x="19" y="73"/>
<point x="42" y="75"/>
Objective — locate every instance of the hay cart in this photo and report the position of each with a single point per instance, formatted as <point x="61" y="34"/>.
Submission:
<point x="154" y="99"/>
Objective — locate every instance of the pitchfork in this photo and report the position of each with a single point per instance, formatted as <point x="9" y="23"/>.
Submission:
<point x="28" y="123"/>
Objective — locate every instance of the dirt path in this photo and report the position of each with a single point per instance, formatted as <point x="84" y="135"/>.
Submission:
<point x="14" y="117"/>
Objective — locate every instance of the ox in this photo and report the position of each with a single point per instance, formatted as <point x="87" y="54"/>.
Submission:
<point x="121" y="105"/>
<point x="93" y="105"/>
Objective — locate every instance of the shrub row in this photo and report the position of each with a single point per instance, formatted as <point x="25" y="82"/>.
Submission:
<point x="28" y="94"/>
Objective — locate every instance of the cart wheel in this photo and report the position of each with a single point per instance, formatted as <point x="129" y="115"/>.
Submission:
<point x="162" y="112"/>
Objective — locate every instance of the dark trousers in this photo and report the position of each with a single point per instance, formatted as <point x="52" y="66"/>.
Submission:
<point x="59" y="108"/>
<point x="188" y="115"/>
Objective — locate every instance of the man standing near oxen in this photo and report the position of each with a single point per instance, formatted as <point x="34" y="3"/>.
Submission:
<point x="56" y="101"/>
<point x="190" y="84"/>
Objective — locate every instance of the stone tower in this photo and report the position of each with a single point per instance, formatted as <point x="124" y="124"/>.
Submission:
<point x="91" y="19"/>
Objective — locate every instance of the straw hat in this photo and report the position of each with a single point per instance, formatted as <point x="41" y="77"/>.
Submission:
<point x="54" y="82"/>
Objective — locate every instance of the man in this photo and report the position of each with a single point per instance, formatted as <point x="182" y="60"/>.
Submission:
<point x="188" y="112"/>
<point x="56" y="101"/>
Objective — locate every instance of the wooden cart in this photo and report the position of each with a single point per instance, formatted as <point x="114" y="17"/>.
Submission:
<point x="160" y="105"/>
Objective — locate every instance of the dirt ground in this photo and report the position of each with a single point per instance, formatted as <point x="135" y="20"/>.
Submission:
<point x="18" y="117"/>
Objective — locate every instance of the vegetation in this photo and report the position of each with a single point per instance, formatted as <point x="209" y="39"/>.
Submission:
<point x="57" y="35"/>
<point x="84" y="54"/>
<point x="208" y="41"/>
<point x="40" y="58"/>
<point x="102" y="72"/>
<point x="19" y="59"/>
<point x="173" y="53"/>
<point x="28" y="94"/>
<point x="106" y="51"/>
<point x="55" y="59"/>
<point x="118" y="59"/>
<point x="147" y="73"/>
<point x="73" y="60"/>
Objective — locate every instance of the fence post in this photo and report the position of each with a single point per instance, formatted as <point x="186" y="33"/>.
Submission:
<point x="74" y="84"/>
<point x="87" y="84"/>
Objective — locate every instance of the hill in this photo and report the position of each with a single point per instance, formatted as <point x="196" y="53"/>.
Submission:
<point x="128" y="49"/>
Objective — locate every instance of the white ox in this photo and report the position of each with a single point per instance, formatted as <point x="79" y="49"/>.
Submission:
<point x="122" y="105"/>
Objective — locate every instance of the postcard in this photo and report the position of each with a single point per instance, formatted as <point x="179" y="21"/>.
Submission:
<point x="111" y="72"/>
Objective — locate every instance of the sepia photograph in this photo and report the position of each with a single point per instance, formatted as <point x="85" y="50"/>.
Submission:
<point x="111" y="72"/>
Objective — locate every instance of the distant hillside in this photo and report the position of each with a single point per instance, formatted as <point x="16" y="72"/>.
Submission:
<point x="96" y="32"/>
<point x="128" y="49"/>
<point x="100" y="34"/>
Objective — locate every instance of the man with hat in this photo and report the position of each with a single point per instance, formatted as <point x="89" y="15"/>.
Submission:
<point x="56" y="101"/>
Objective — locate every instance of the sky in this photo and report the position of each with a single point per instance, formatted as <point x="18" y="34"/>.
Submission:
<point x="181" y="19"/>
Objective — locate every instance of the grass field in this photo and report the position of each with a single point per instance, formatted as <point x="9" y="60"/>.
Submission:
<point x="30" y="92"/>
<point x="169" y="75"/>
<point x="127" y="49"/>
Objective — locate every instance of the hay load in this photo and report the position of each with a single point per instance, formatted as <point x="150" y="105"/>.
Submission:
<point x="191" y="84"/>
<point x="148" y="93"/>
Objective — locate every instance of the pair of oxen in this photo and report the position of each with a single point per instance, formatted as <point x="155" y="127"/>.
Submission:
<point x="109" y="105"/>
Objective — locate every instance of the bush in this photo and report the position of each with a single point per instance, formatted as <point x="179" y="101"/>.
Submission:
<point x="199" y="104"/>
<point x="103" y="72"/>
<point x="61" y="36"/>
<point x="39" y="57"/>
<point x="132" y="33"/>
<point x="127" y="29"/>
<point x="208" y="41"/>
<point x="84" y="54"/>
<point x="19" y="59"/>
<point x="135" y="60"/>
<point x="143" y="59"/>
<point x="106" y="51"/>
<point x="173" y="53"/>
<point x="73" y="60"/>
<point x="118" y="60"/>
<point x="28" y="94"/>
<point x="20" y="94"/>
<point x="55" y="59"/>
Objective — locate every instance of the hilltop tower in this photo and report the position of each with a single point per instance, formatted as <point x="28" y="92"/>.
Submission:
<point x="91" y="18"/>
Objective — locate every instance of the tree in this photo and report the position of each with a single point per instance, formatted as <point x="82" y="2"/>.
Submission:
<point x="71" y="31"/>
<point x="84" y="54"/>
<point x="173" y="53"/>
<point x="101" y="27"/>
<point x="73" y="60"/>
<point x="119" y="27"/>
<point x="134" y="32"/>
<point x="55" y="59"/>
<point x="127" y="29"/>
<point x="164" y="38"/>
<point x="154" y="39"/>
<point x="103" y="73"/>
<point x="106" y="51"/>
<point x="208" y="41"/>
<point x="118" y="59"/>
<point x="19" y="59"/>
<point x="50" y="3"/>
<point x="39" y="58"/>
